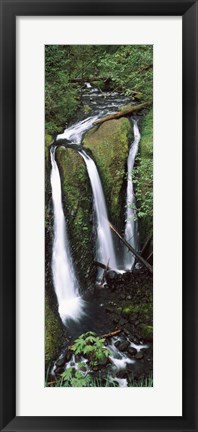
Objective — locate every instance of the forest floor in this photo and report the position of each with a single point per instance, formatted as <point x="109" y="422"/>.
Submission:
<point x="126" y="308"/>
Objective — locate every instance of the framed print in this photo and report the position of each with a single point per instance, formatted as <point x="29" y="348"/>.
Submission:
<point x="98" y="215"/>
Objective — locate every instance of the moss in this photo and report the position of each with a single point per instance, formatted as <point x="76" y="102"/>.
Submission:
<point x="109" y="145"/>
<point x="138" y="95"/>
<point x="143" y="309"/>
<point x="48" y="141"/>
<point x="146" y="145"/>
<point x="53" y="333"/>
<point x="77" y="203"/>
<point x="86" y="109"/>
<point x="146" y="153"/>
<point x="147" y="332"/>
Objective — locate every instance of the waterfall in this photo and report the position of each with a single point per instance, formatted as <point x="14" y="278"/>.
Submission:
<point x="131" y="232"/>
<point x="88" y="85"/>
<point x="104" y="244"/>
<point x="75" y="132"/>
<point x="70" y="304"/>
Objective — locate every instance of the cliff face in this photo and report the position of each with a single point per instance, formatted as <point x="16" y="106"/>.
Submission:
<point x="109" y="146"/>
<point x="77" y="204"/>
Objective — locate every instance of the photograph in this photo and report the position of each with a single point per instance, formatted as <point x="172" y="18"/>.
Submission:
<point x="99" y="216"/>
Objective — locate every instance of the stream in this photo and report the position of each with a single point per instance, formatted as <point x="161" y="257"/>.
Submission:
<point x="79" y="314"/>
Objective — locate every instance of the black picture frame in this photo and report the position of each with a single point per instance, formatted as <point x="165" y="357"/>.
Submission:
<point x="188" y="9"/>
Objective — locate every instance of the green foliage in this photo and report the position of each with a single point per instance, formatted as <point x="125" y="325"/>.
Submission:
<point x="144" y="309"/>
<point x="61" y="97"/>
<point x="72" y="378"/>
<point x="53" y="333"/>
<point x="130" y="68"/>
<point x="143" y="382"/>
<point x="143" y="180"/>
<point x="126" y="68"/>
<point x="91" y="345"/>
<point x="147" y="332"/>
<point x="142" y="176"/>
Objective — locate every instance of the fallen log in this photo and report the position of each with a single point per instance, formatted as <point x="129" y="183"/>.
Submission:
<point x="127" y="111"/>
<point x="103" y="266"/>
<point x="88" y="79"/>
<point x="150" y="255"/>
<point x="134" y="252"/>
<point x="114" y="333"/>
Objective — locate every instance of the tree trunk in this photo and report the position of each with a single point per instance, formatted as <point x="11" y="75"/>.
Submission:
<point x="127" y="111"/>
<point x="139" y="258"/>
<point x="103" y="266"/>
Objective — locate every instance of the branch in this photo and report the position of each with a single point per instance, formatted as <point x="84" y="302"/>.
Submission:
<point x="139" y="258"/>
<point x="88" y="79"/>
<point x="125" y="112"/>
<point x="114" y="333"/>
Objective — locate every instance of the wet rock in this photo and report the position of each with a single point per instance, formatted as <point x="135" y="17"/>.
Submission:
<point x="126" y="331"/>
<point x="104" y="362"/>
<point x="133" y="318"/>
<point x="137" y="323"/>
<point x="139" y="355"/>
<point x="117" y="343"/>
<point x="95" y="368"/>
<point x="110" y="276"/>
<point x="132" y="351"/>
<point x="59" y="370"/>
<point x="123" y="346"/>
<point x="60" y="362"/>
<point x="135" y="340"/>
<point x="122" y="374"/>
<point x="109" y="309"/>
<point x="115" y="319"/>
<point x="83" y="368"/>
<point x="68" y="356"/>
<point x="123" y="321"/>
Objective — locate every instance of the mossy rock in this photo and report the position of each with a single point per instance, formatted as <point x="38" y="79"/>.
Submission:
<point x="144" y="309"/>
<point x="53" y="333"/>
<point x="77" y="204"/>
<point x="109" y="146"/>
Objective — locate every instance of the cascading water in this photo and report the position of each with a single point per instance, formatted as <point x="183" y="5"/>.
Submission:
<point x="104" y="245"/>
<point x="74" y="133"/>
<point x="99" y="106"/>
<point x="65" y="281"/>
<point x="70" y="304"/>
<point x="131" y="231"/>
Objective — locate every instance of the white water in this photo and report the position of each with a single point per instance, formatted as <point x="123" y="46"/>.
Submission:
<point x="70" y="304"/>
<point x="118" y="358"/>
<point x="131" y="234"/>
<point x="104" y="245"/>
<point x="75" y="132"/>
